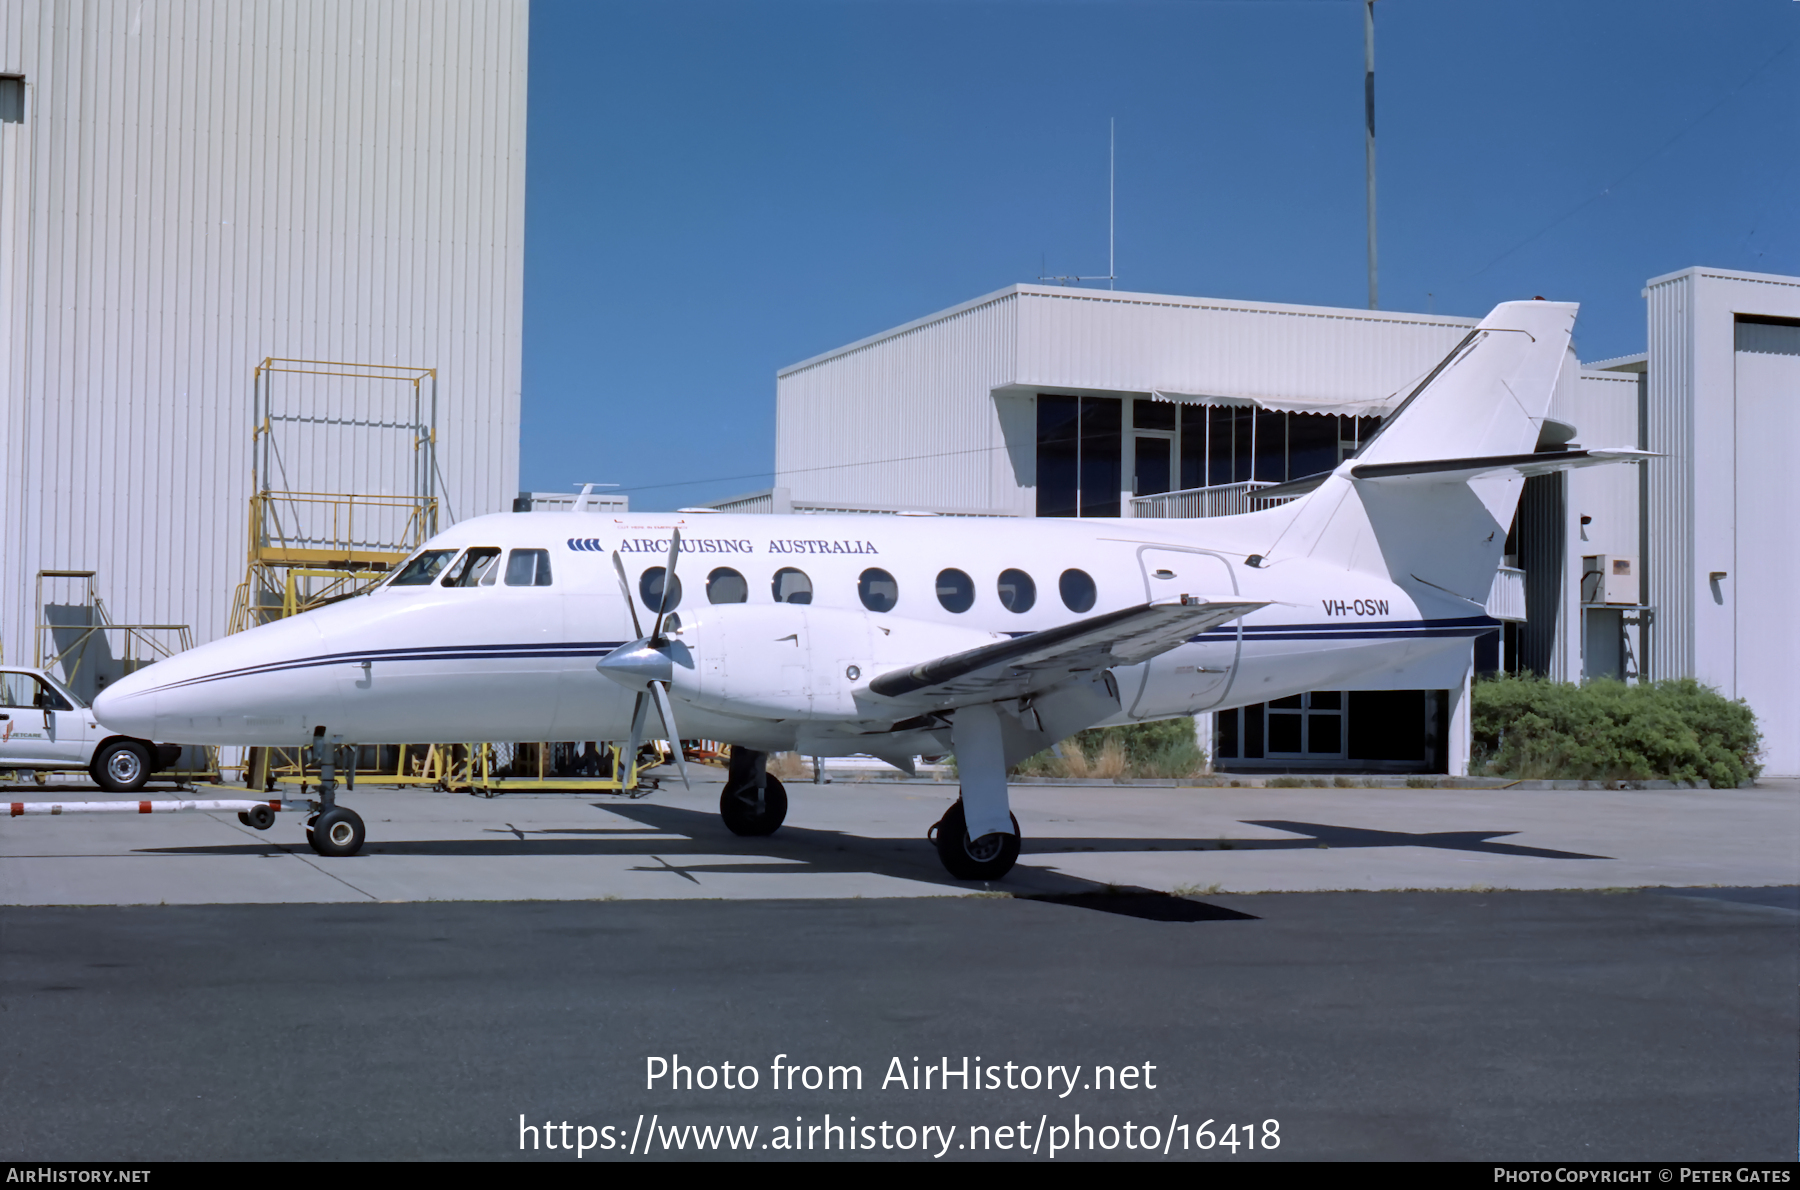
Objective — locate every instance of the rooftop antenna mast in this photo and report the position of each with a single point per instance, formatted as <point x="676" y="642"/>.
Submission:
<point x="1112" y="273"/>
<point x="1369" y="133"/>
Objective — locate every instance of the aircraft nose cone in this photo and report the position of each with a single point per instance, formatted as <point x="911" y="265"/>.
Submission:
<point x="636" y="665"/>
<point x="128" y="707"/>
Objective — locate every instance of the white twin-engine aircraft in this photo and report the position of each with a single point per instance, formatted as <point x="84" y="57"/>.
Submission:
<point x="899" y="636"/>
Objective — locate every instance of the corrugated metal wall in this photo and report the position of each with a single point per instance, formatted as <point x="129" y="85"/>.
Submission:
<point x="905" y="419"/>
<point x="1138" y="342"/>
<point x="913" y="418"/>
<point x="199" y="184"/>
<point x="1670" y="567"/>
<point x="1604" y="409"/>
<point x="1720" y="523"/>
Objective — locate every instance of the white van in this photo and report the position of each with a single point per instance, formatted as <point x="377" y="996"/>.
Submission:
<point x="44" y="726"/>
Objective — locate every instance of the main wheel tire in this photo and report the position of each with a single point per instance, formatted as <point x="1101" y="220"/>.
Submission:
<point x="336" y="832"/>
<point x="738" y="808"/>
<point x="987" y="858"/>
<point x="121" y="767"/>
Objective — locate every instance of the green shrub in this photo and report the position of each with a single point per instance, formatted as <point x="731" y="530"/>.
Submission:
<point x="1607" y="731"/>
<point x="1163" y="748"/>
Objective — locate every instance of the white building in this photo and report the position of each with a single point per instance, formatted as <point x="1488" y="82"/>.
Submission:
<point x="1721" y="383"/>
<point x="189" y="187"/>
<point x="1044" y="401"/>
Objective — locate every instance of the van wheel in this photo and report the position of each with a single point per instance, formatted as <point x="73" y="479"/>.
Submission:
<point x="121" y="767"/>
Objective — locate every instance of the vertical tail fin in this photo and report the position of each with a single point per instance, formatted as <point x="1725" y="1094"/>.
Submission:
<point x="1487" y="399"/>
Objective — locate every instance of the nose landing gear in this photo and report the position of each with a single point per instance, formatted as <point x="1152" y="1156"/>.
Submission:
<point x="753" y="803"/>
<point x="335" y="830"/>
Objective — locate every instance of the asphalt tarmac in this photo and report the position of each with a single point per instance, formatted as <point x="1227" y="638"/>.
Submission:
<point x="1461" y="1026"/>
<point x="491" y="970"/>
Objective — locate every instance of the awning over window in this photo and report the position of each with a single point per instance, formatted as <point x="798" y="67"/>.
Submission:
<point x="1375" y="408"/>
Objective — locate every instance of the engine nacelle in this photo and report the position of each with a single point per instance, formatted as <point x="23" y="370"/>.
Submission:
<point x="792" y="661"/>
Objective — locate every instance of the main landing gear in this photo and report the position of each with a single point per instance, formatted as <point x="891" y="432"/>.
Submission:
<point x="987" y="850"/>
<point x="987" y="858"/>
<point x="335" y="830"/>
<point x="753" y="802"/>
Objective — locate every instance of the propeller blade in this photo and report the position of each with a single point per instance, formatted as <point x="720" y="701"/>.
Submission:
<point x="668" y="585"/>
<point x="639" y="711"/>
<point x="667" y="710"/>
<point x="637" y="631"/>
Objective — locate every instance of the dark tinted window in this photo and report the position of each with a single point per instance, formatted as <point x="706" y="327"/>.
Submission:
<point x="423" y="568"/>
<point x="1077" y="590"/>
<point x="955" y="590"/>
<point x="528" y="568"/>
<point x="878" y="590"/>
<point x="1017" y="591"/>
<point x="1153" y="414"/>
<point x="726" y="585"/>
<point x="650" y="589"/>
<point x="791" y="586"/>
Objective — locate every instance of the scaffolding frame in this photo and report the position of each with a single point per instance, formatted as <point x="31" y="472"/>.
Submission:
<point x="452" y="768"/>
<point x="310" y="548"/>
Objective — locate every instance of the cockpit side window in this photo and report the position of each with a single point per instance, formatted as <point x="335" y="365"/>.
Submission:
<point x="470" y="569"/>
<point x="528" y="568"/>
<point x="424" y="567"/>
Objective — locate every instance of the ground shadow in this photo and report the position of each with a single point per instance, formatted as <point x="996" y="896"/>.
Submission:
<point x="687" y="843"/>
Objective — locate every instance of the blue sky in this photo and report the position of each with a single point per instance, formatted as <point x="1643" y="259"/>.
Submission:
<point x="715" y="190"/>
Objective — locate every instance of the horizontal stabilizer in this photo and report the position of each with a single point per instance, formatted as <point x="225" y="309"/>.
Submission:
<point x="1462" y="470"/>
<point x="1040" y="660"/>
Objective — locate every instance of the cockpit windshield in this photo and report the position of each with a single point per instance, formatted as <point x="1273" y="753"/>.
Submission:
<point x="425" y="566"/>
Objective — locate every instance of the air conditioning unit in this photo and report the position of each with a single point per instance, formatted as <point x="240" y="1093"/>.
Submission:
<point x="1609" y="578"/>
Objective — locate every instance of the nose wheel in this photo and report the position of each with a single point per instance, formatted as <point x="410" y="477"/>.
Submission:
<point x="743" y="816"/>
<point x="335" y="832"/>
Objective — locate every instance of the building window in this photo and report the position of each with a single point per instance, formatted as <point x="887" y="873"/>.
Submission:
<point x="1326" y="730"/>
<point x="1080" y="444"/>
<point x="12" y="99"/>
<point x="1082" y="455"/>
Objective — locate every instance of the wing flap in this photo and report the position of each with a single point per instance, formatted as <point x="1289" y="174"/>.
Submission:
<point x="1039" y="660"/>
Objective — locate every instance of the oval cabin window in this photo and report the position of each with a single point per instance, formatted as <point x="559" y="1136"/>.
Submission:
<point x="878" y="590"/>
<point x="955" y="590"/>
<point x="1017" y="591"/>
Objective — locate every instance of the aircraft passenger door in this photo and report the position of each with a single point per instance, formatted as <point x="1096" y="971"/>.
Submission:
<point x="1197" y="675"/>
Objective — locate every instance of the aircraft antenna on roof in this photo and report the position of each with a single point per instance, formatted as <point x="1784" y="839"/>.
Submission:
<point x="1112" y="273"/>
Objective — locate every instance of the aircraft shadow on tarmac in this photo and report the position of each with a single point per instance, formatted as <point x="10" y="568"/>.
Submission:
<point x="667" y="835"/>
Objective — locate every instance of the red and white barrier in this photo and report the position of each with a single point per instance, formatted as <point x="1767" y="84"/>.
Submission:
<point x="239" y="805"/>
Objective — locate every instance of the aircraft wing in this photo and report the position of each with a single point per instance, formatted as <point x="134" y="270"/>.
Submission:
<point x="1040" y="660"/>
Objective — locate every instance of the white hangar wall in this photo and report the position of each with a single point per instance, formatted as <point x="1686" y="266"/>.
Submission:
<point x="937" y="414"/>
<point x="1723" y="389"/>
<point x="198" y="184"/>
